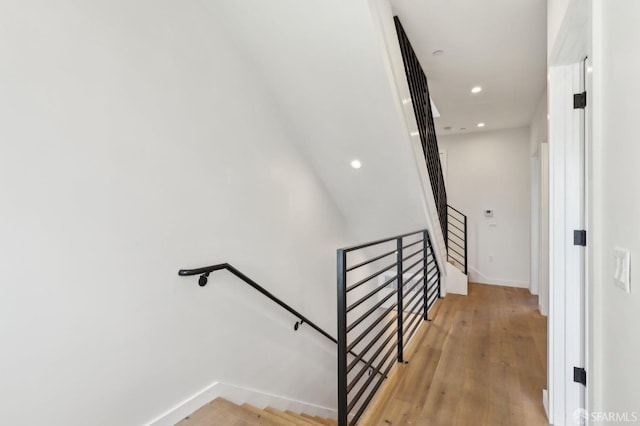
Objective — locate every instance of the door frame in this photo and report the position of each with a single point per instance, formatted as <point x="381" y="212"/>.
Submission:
<point x="569" y="334"/>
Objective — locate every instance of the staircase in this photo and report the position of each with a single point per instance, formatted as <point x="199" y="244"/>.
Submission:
<point x="223" y="412"/>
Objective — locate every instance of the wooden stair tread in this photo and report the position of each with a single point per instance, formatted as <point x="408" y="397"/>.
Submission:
<point x="269" y="415"/>
<point x="303" y="417"/>
<point x="327" y="422"/>
<point x="312" y="418"/>
<point x="223" y="412"/>
<point x="286" y="416"/>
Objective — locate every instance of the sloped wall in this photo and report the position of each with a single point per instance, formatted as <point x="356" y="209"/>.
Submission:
<point x="135" y="142"/>
<point x="143" y="137"/>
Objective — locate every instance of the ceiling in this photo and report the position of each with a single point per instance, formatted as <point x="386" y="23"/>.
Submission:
<point x="499" y="45"/>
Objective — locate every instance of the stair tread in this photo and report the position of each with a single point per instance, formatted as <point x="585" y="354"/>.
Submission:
<point x="269" y="415"/>
<point x="303" y="417"/>
<point x="322" y="420"/>
<point x="221" y="411"/>
<point x="292" y="418"/>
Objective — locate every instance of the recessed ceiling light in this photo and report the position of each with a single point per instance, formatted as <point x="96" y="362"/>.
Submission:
<point x="438" y="52"/>
<point x="356" y="164"/>
<point x="448" y="128"/>
<point x="480" y="124"/>
<point x="463" y="128"/>
<point x="476" y="89"/>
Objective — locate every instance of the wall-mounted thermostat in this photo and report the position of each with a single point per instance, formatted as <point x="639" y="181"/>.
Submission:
<point x="488" y="213"/>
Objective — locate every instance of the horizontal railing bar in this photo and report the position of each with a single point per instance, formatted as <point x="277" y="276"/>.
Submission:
<point x="372" y="326"/>
<point x="371" y="293"/>
<point x="431" y="281"/>
<point x="455" y="256"/>
<point x="411" y="322"/>
<point x="455" y="218"/>
<point x="368" y="381"/>
<point x="409" y="307"/>
<point x="413" y="254"/>
<point x="459" y="254"/>
<point x="455" y="233"/>
<point x="412" y="244"/>
<point x="431" y="302"/>
<point x="366" y="402"/>
<point x="370" y="311"/>
<point x="415" y="327"/>
<point x="418" y="293"/>
<point x="435" y="267"/>
<point x="374" y="340"/>
<point x="431" y="293"/>
<point x="371" y="260"/>
<point x="413" y="276"/>
<point x="366" y="367"/>
<point x="461" y="230"/>
<point x="385" y="240"/>
<point x="370" y="277"/>
<point x="412" y="266"/>
<point x="259" y="288"/>
<point x="434" y="293"/>
<point x="455" y="242"/>
<point x="456" y="210"/>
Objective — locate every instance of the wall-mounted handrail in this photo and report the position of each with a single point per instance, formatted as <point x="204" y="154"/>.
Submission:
<point x="205" y="271"/>
<point x="202" y="281"/>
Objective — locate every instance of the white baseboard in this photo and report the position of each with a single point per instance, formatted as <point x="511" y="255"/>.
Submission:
<point x="545" y="401"/>
<point x="238" y="395"/>
<point x="476" y="276"/>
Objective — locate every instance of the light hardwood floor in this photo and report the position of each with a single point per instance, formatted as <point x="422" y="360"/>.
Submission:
<point x="481" y="361"/>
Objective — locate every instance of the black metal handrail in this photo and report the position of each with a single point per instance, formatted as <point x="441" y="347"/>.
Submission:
<point x="457" y="238"/>
<point x="204" y="274"/>
<point x="204" y="278"/>
<point x="366" y="322"/>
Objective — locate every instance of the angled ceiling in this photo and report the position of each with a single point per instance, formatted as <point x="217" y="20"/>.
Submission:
<point x="499" y="45"/>
<point x="322" y="64"/>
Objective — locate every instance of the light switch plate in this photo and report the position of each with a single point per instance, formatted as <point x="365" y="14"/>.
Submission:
<point x="622" y="268"/>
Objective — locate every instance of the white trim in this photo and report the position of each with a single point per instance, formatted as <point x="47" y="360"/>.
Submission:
<point x="238" y="395"/>
<point x="476" y="276"/>
<point x="545" y="401"/>
<point x="534" y="286"/>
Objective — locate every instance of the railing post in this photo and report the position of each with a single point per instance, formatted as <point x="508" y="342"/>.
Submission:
<point x="465" y="245"/>
<point x="425" y="264"/>
<point x="400" y="303"/>
<point x="342" y="338"/>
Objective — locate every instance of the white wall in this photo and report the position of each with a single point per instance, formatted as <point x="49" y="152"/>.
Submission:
<point x="490" y="170"/>
<point x="556" y="11"/>
<point x="134" y="142"/>
<point x="540" y="217"/>
<point x="539" y="126"/>
<point x="616" y="67"/>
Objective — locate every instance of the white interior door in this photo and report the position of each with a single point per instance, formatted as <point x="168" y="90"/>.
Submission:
<point x="567" y="259"/>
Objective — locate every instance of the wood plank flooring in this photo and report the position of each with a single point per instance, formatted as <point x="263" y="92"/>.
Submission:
<point x="482" y="361"/>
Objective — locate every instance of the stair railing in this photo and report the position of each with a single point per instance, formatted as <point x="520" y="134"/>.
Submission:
<point x="204" y="278"/>
<point x="385" y="291"/>
<point x="457" y="239"/>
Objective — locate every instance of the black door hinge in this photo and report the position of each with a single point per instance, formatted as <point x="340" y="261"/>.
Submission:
<point x="580" y="100"/>
<point x="580" y="375"/>
<point x="579" y="238"/>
